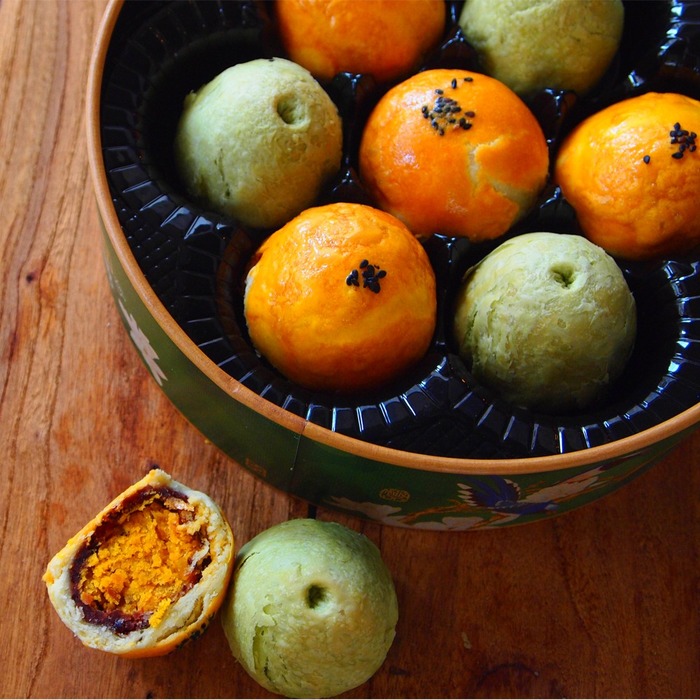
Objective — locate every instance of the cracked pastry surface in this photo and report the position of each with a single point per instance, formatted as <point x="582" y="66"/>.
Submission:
<point x="454" y="152"/>
<point x="259" y="141"/>
<point x="535" y="44"/>
<point x="546" y="320"/>
<point x="312" y="609"/>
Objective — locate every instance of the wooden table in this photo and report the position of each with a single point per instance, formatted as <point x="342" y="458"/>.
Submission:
<point x="597" y="603"/>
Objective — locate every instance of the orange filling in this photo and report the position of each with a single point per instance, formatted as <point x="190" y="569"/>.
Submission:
<point x="148" y="559"/>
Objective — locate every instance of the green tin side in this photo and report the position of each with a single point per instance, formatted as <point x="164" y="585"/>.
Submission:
<point x="262" y="446"/>
<point x="442" y="501"/>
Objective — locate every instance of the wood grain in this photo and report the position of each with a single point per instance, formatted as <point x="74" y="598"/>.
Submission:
<point x="601" y="602"/>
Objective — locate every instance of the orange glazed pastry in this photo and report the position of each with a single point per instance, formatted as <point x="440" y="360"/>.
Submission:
<point x="385" y="38"/>
<point x="147" y="573"/>
<point x="341" y="298"/>
<point x="632" y="174"/>
<point x="454" y="152"/>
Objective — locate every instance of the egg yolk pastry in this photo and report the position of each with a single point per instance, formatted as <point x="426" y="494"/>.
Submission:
<point x="383" y="38"/>
<point x="147" y="573"/>
<point x="454" y="152"/>
<point x="341" y="298"/>
<point x="632" y="174"/>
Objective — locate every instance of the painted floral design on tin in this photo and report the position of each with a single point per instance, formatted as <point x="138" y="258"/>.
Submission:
<point x="138" y="337"/>
<point x="489" y="501"/>
<point x="143" y="344"/>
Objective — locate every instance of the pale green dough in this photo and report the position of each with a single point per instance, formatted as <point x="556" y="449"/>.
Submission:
<point x="259" y="141"/>
<point x="535" y="44"/>
<point x="312" y="609"/>
<point x="547" y="320"/>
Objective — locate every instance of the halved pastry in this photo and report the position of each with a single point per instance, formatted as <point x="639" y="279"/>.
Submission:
<point x="147" y="573"/>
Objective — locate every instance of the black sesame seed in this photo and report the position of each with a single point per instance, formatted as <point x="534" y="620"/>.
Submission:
<point x="647" y="159"/>
<point x="371" y="274"/>
<point x="454" y="83"/>
<point x="442" y="113"/>
<point x="684" y="139"/>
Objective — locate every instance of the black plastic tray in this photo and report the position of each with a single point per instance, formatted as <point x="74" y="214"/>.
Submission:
<point x="194" y="259"/>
